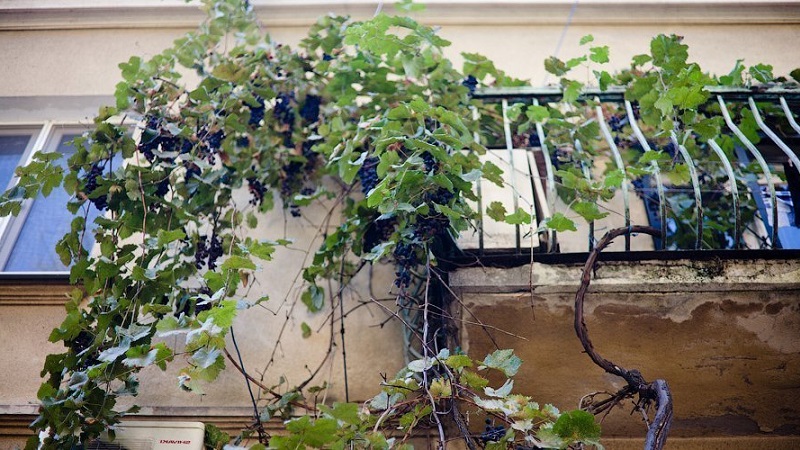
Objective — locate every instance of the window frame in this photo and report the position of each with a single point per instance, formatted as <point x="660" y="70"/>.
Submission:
<point x="46" y="137"/>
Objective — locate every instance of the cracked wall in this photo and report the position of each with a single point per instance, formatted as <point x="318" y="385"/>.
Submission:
<point x="725" y="335"/>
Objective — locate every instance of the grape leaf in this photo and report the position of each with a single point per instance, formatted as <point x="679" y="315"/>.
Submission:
<point x="588" y="210"/>
<point x="504" y="361"/>
<point x="519" y="217"/>
<point x="496" y="211"/>
<point x="559" y="222"/>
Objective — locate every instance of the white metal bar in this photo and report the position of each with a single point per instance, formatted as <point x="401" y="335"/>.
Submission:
<point x="587" y="173"/>
<point x="737" y="232"/>
<point x="620" y="165"/>
<point x="550" y="207"/>
<point x="512" y="181"/>
<point x="698" y="198"/>
<point x="662" y="197"/>
<point x="789" y="115"/>
<point x="761" y="162"/>
<point x="778" y="141"/>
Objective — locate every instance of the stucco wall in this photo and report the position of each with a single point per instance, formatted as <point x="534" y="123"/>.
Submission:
<point x="62" y="57"/>
<point x="722" y="333"/>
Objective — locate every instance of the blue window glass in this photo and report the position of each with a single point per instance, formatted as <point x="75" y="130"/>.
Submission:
<point x="46" y="223"/>
<point x="12" y="147"/>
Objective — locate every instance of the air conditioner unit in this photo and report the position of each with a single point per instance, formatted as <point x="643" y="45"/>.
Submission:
<point x="151" y="435"/>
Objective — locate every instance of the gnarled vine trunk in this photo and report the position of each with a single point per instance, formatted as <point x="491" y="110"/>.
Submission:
<point x="656" y="392"/>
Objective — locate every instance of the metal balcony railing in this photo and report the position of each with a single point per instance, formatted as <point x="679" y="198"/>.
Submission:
<point x="758" y="196"/>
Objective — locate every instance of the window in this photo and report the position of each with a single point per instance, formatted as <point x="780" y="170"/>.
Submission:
<point x="27" y="242"/>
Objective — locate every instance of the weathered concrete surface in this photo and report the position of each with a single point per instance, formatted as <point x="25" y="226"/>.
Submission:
<point x="728" y="347"/>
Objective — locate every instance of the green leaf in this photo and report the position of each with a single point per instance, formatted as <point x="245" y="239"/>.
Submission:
<point x="504" y="361"/>
<point x="496" y="211"/>
<point x="572" y="90"/>
<point x="399" y="112"/>
<point x="474" y="380"/>
<point x="458" y="361"/>
<point x="734" y="77"/>
<point x="638" y="60"/>
<point x="651" y="155"/>
<point x="537" y="113"/>
<point x="614" y="178"/>
<point x="588" y="210"/>
<point x="236" y="262"/>
<point x="262" y="250"/>
<point x="795" y="74"/>
<point x="343" y="412"/>
<point x="576" y="426"/>
<point x="408" y="6"/>
<point x="575" y="62"/>
<point x="519" y="217"/>
<point x="599" y="54"/>
<point x="586" y="39"/>
<point x="559" y="222"/>
<point x="306" y="330"/>
<point x="222" y="314"/>
<point x="555" y="66"/>
<point x="762" y="72"/>
<point x="604" y="79"/>
<point x="664" y="104"/>
<point x="314" y="298"/>
<point x="493" y="173"/>
<point x="111" y="354"/>
<point x="165" y="237"/>
<point x="502" y="391"/>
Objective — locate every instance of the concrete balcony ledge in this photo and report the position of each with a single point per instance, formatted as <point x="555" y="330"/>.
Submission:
<point x="631" y="277"/>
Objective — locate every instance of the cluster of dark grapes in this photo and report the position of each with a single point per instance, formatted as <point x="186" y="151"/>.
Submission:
<point x="534" y="141"/>
<point x="492" y="433"/>
<point x="312" y="157"/>
<point x="292" y="178"/>
<point x="96" y="171"/>
<point x="294" y="209"/>
<point x="471" y="83"/>
<point x="162" y="188"/>
<point x="429" y="227"/>
<point x="156" y="138"/>
<point x="431" y="165"/>
<point x="208" y="253"/>
<point x="192" y="169"/>
<point x="210" y="143"/>
<point x="405" y="257"/>
<point x="81" y="343"/>
<point x="670" y="149"/>
<point x="378" y="231"/>
<point x="257" y="191"/>
<point x="256" y="113"/>
<point x="284" y="112"/>
<point x="188" y="305"/>
<point x="441" y="196"/>
<point x="561" y="156"/>
<point x="616" y="122"/>
<point x="310" y="109"/>
<point x="368" y="174"/>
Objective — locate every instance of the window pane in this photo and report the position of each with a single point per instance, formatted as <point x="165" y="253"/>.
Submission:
<point x="11" y="149"/>
<point x="46" y="223"/>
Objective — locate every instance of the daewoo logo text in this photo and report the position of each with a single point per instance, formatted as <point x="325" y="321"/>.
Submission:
<point x="174" y="441"/>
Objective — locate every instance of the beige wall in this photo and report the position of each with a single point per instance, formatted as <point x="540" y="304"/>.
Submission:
<point x="723" y="334"/>
<point x="53" y="50"/>
<point x="61" y="51"/>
